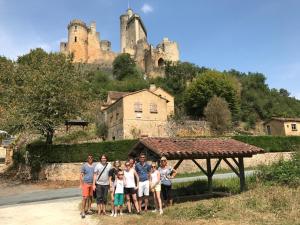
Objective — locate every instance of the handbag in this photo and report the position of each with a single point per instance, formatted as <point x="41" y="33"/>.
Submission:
<point x="94" y="192"/>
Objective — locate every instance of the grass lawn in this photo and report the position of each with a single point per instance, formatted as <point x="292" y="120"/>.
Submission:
<point x="262" y="205"/>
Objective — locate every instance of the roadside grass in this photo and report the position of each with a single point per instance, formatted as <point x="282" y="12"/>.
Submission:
<point x="261" y="205"/>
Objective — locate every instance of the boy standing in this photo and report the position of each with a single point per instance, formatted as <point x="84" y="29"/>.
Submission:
<point x="119" y="193"/>
<point x="86" y="184"/>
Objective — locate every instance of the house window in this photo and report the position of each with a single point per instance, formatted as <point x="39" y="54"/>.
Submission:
<point x="138" y="107"/>
<point x="153" y="108"/>
<point x="75" y="28"/>
<point x="75" y="39"/>
<point x="117" y="116"/>
<point x="294" y="127"/>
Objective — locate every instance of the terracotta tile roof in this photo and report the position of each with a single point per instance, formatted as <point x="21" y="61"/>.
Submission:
<point x="286" y="119"/>
<point x="115" y="95"/>
<point x="183" y="148"/>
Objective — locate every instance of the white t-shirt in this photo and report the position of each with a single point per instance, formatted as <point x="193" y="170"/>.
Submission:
<point x="119" y="186"/>
<point x="103" y="180"/>
<point x="129" y="176"/>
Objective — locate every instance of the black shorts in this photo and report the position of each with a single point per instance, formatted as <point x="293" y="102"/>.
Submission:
<point x="129" y="191"/>
<point x="101" y="192"/>
<point x="167" y="192"/>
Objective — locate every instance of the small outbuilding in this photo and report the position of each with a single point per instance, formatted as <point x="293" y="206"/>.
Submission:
<point x="199" y="148"/>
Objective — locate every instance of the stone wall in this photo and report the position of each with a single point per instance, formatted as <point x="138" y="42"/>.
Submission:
<point x="70" y="171"/>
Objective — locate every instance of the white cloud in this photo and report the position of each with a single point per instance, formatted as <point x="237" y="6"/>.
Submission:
<point x="146" y="8"/>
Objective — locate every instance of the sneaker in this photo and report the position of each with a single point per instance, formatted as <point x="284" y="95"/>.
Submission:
<point x="121" y="214"/>
<point x="82" y="215"/>
<point x="161" y="212"/>
<point x="112" y="214"/>
<point x="115" y="215"/>
<point x="154" y="210"/>
<point x="89" y="212"/>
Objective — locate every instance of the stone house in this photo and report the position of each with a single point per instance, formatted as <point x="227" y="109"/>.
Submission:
<point x="143" y="113"/>
<point x="283" y="126"/>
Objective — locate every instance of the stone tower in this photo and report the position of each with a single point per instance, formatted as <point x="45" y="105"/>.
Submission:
<point x="85" y="45"/>
<point x="132" y="30"/>
<point x="77" y="40"/>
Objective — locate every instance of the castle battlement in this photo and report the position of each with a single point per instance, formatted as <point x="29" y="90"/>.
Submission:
<point x="86" y="46"/>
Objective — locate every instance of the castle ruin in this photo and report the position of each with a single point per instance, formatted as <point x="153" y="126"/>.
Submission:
<point x="86" y="46"/>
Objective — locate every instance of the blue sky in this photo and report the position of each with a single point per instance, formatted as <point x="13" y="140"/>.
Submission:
<point x="254" y="35"/>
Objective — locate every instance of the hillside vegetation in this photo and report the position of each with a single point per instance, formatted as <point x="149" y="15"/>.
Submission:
<point x="40" y="90"/>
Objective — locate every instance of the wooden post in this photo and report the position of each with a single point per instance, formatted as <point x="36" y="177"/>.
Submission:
<point x="242" y="174"/>
<point x="209" y="176"/>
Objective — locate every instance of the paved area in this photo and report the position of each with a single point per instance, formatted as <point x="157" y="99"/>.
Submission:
<point x="46" y="195"/>
<point x="60" y="212"/>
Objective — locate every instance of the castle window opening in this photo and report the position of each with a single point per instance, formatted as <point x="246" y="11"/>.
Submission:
<point x="160" y="62"/>
<point x="75" y="39"/>
<point x="75" y="28"/>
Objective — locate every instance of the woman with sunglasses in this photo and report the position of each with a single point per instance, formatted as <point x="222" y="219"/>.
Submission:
<point x="156" y="187"/>
<point x="130" y="189"/>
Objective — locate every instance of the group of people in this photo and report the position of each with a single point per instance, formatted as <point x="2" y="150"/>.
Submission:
<point x="133" y="182"/>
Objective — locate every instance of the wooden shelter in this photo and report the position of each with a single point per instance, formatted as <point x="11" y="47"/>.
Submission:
<point x="199" y="148"/>
<point x="81" y="123"/>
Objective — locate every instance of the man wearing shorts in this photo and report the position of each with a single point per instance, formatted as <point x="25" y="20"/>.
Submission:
<point x="86" y="184"/>
<point x="143" y="170"/>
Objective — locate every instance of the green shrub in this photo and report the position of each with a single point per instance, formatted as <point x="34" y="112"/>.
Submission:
<point x="272" y="143"/>
<point x="78" y="152"/>
<point x="282" y="172"/>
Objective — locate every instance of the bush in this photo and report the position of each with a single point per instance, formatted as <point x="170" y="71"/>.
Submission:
<point x="272" y="143"/>
<point x="282" y="172"/>
<point x="78" y="152"/>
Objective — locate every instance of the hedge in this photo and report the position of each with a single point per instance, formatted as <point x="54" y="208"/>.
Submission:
<point x="78" y="152"/>
<point x="272" y="143"/>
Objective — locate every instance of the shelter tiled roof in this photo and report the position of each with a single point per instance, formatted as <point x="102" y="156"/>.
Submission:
<point x="184" y="148"/>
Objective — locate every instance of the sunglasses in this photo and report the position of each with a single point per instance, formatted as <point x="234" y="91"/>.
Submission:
<point x="153" y="166"/>
<point x="120" y="174"/>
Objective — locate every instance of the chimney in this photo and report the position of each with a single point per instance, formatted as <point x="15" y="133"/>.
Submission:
<point x="152" y="87"/>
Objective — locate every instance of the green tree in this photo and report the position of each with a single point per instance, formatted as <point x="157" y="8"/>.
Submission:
<point x="49" y="91"/>
<point x="124" y="67"/>
<point x="218" y="115"/>
<point x="208" y="84"/>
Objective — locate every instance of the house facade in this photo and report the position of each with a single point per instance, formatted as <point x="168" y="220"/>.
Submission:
<point x="137" y="114"/>
<point x="283" y="126"/>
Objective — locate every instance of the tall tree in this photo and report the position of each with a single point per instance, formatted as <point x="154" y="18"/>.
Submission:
<point x="124" y="67"/>
<point x="208" y="84"/>
<point x="218" y="115"/>
<point x="47" y="91"/>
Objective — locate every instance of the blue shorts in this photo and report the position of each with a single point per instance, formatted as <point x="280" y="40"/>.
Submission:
<point x="119" y="199"/>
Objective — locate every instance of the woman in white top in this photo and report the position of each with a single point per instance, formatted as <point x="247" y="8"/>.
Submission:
<point x="131" y="179"/>
<point x="156" y="187"/>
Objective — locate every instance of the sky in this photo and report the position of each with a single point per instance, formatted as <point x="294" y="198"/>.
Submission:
<point x="248" y="36"/>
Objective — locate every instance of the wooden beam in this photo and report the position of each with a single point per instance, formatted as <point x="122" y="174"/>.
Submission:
<point x="242" y="174"/>
<point x="199" y="166"/>
<point x="178" y="164"/>
<point x="232" y="167"/>
<point x="235" y="161"/>
<point x="216" y="166"/>
<point x="209" y="176"/>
